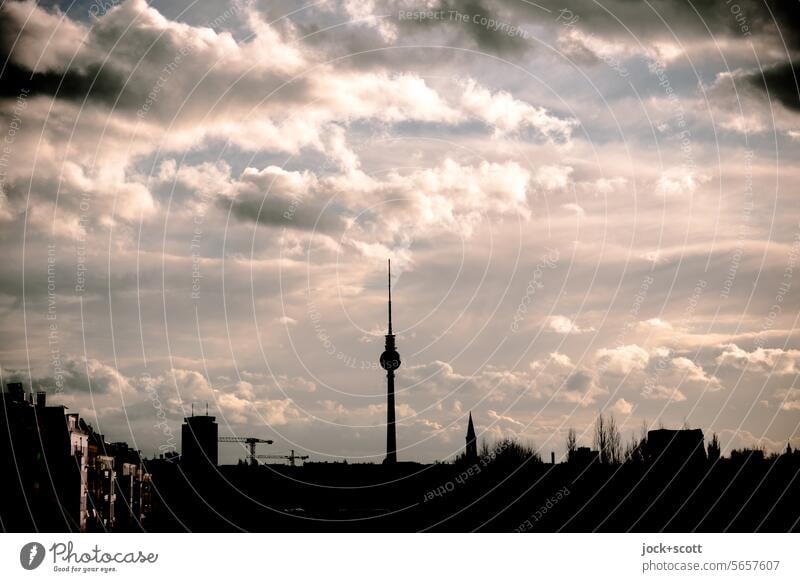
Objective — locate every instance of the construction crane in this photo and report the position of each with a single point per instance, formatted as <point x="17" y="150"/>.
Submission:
<point x="251" y="443"/>
<point x="290" y="457"/>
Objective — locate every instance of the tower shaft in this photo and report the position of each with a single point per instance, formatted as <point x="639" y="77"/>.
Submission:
<point x="391" y="431"/>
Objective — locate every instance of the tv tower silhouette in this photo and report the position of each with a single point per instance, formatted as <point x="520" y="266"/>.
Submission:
<point x="390" y="361"/>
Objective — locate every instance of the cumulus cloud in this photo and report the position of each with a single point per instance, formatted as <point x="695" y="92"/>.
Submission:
<point x="693" y="372"/>
<point x="660" y="392"/>
<point x="42" y="41"/>
<point x="789" y="398"/>
<point x="506" y="114"/>
<point x="621" y="407"/>
<point x="761" y="360"/>
<point x="78" y="376"/>
<point x="623" y="359"/>
<point x="450" y="197"/>
<point x="657" y="323"/>
<point x="564" y="325"/>
<point x="551" y="177"/>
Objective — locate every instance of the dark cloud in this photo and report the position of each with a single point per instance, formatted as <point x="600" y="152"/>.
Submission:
<point x="95" y="83"/>
<point x="474" y="26"/>
<point x="128" y="60"/>
<point x="780" y="82"/>
<point x="684" y="18"/>
<point x="282" y="212"/>
<point x="75" y="81"/>
<point x="579" y="381"/>
<point x="776" y="16"/>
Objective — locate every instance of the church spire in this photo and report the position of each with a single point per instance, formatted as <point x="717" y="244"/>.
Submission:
<point x="471" y="451"/>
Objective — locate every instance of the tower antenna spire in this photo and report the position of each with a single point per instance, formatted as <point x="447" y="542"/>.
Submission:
<point x="390" y="296"/>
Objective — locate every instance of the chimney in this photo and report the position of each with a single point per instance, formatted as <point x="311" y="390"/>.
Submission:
<point x="552" y="457"/>
<point x="41" y="399"/>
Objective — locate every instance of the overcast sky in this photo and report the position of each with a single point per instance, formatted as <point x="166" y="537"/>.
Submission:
<point x="588" y="206"/>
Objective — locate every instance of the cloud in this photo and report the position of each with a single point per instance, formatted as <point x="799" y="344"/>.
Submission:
<point x="564" y="325"/>
<point x="762" y="360"/>
<point x="448" y="198"/>
<point x="621" y="407"/>
<point x="504" y="418"/>
<point x="623" y="359"/>
<point x="739" y="104"/>
<point x="42" y="41"/>
<point x="659" y="392"/>
<point x="580" y="387"/>
<point x="560" y="360"/>
<point x="552" y="177"/>
<point x="506" y="114"/>
<point x="693" y="372"/>
<point x="679" y="182"/>
<point x="557" y="378"/>
<point x="76" y="376"/>
<point x="789" y="397"/>
<point x="657" y="323"/>
<point x="576" y="208"/>
<point x="278" y="412"/>
<point x="207" y="87"/>
<point x="779" y="82"/>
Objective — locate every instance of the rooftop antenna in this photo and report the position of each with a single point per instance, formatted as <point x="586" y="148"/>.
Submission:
<point x="192" y="408"/>
<point x="206" y="408"/>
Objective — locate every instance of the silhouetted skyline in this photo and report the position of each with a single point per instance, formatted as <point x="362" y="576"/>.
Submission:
<point x="71" y="479"/>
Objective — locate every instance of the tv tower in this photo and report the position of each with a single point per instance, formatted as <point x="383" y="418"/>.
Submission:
<point x="390" y="361"/>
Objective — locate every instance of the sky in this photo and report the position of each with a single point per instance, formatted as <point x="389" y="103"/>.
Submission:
<point x="590" y="207"/>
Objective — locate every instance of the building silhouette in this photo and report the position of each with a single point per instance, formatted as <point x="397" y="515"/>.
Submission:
<point x="59" y="475"/>
<point x="584" y="456"/>
<point x="199" y="438"/>
<point x="676" y="448"/>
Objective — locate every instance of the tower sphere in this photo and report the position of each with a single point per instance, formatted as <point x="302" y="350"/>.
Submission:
<point x="390" y="360"/>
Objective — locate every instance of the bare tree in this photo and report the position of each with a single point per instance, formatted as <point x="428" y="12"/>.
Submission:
<point x="640" y="453"/>
<point x="636" y="448"/>
<point x="607" y="439"/>
<point x="572" y="444"/>
<point x="614" y="441"/>
<point x="599" y="438"/>
<point x="632" y="451"/>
